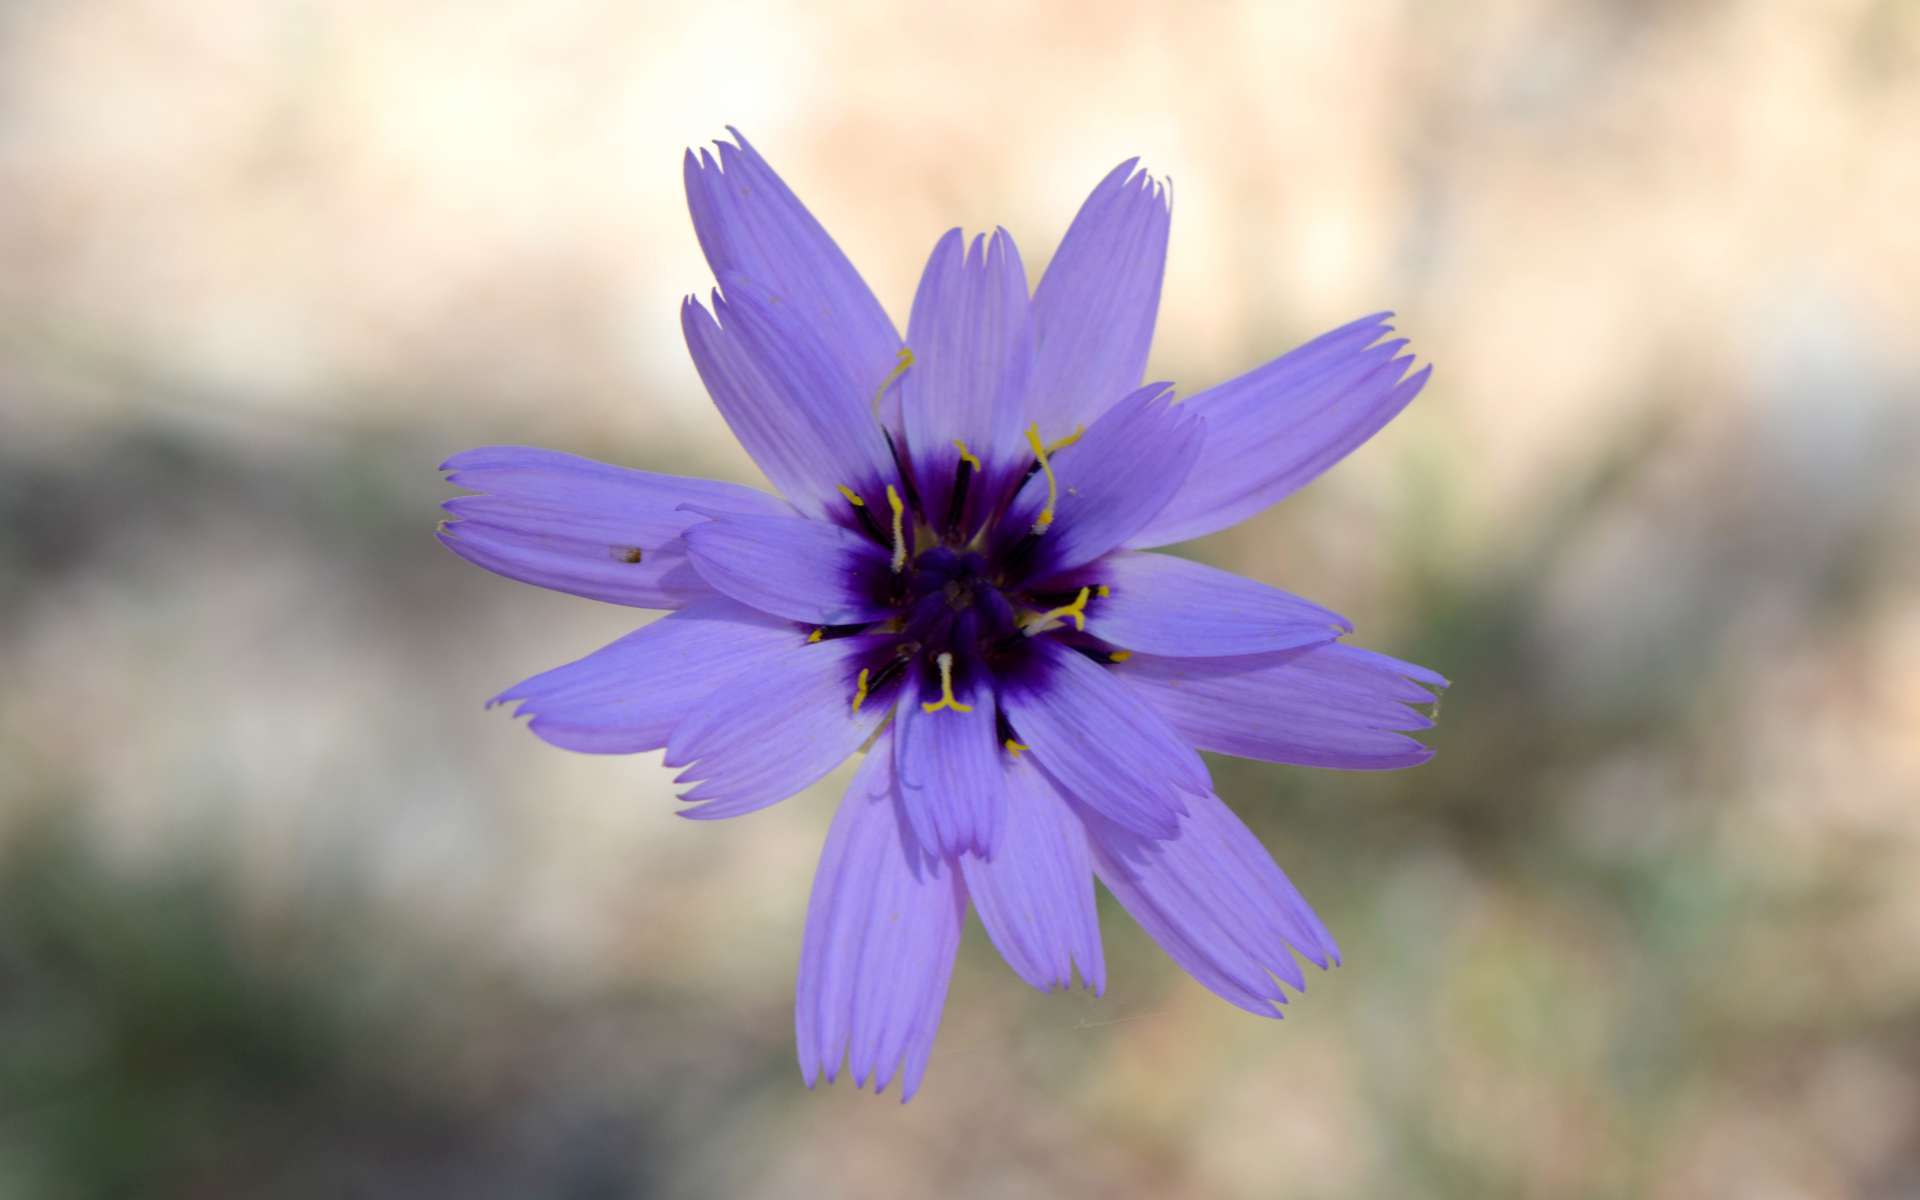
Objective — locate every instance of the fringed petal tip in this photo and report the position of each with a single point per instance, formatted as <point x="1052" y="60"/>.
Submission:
<point x="880" y="1077"/>
<point x="1131" y="176"/>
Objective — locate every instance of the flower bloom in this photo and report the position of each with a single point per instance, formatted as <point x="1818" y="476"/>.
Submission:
<point x="955" y="576"/>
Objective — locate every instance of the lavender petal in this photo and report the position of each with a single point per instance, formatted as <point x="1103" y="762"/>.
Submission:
<point x="628" y="696"/>
<point x="1035" y="895"/>
<point x="1326" y="706"/>
<point x="883" y="927"/>
<point x="1213" y="898"/>
<point x="1095" y="307"/>
<point x="1273" y="430"/>
<point x="584" y="527"/>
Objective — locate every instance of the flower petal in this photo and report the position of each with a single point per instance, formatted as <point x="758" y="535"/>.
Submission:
<point x="1094" y="309"/>
<point x="1165" y="605"/>
<point x="1215" y="901"/>
<point x="792" y="567"/>
<point x="790" y="402"/>
<point x="1273" y="430"/>
<point x="627" y="697"/>
<point x="1035" y="895"/>
<point x="750" y="223"/>
<point x="948" y="765"/>
<point x="1327" y="706"/>
<point x="1102" y="745"/>
<point x="774" y="730"/>
<point x="972" y="350"/>
<point x="883" y="927"/>
<point x="584" y="527"/>
<point x="1107" y="484"/>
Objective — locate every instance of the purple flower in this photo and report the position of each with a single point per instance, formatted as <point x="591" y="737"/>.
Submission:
<point x="955" y="576"/>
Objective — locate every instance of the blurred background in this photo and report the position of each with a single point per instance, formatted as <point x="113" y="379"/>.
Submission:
<point x="283" y="912"/>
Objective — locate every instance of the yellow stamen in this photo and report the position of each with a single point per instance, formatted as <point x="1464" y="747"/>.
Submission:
<point x="1014" y="748"/>
<point x="1045" y="518"/>
<point x="946" y="699"/>
<point x="1103" y="590"/>
<point x="859" y="690"/>
<point x="1120" y="656"/>
<point x="1079" y="431"/>
<point x="815" y="636"/>
<point x="899" y="368"/>
<point x="966" y="455"/>
<point x="852" y="496"/>
<point x="899" y="529"/>
<point x="1075" y="612"/>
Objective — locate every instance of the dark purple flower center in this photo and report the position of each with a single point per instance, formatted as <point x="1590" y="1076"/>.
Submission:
<point x="958" y="584"/>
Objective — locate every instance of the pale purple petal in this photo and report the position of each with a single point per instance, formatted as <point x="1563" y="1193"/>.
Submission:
<point x="1273" y="430"/>
<point x="628" y="696"/>
<point x="1035" y="896"/>
<point x="1095" y="306"/>
<point x="789" y="401"/>
<point x="1101" y="743"/>
<point x="883" y="927"/>
<point x="791" y="567"/>
<point x="584" y="527"/>
<point x="1328" y="706"/>
<point x="1165" y="605"/>
<point x="1109" y="483"/>
<point x="751" y="224"/>
<point x="948" y="766"/>
<point x="971" y="341"/>
<point x="1214" y="900"/>
<point x="776" y="729"/>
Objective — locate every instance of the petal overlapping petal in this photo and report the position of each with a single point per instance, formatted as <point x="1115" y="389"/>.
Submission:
<point x="1102" y="744"/>
<point x="1273" y="430"/>
<point x="584" y="527"/>
<point x="1165" y="605"/>
<point x="628" y="696"/>
<point x="776" y="729"/>
<point x="1328" y="706"/>
<point x="1106" y="485"/>
<point x="883" y="927"/>
<point x="791" y="567"/>
<point x="966" y="389"/>
<point x="947" y="762"/>
<point x="1035" y="895"/>
<point x="1214" y="900"/>
<point x="788" y="399"/>
<point x="1095" y="307"/>
<point x="751" y="224"/>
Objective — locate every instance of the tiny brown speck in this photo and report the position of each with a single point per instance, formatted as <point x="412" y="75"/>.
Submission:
<point x="627" y="554"/>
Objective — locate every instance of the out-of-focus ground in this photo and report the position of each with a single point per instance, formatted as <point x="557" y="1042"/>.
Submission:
<point x="283" y="912"/>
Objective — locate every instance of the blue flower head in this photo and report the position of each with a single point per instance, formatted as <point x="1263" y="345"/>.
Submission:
<point x="956" y="575"/>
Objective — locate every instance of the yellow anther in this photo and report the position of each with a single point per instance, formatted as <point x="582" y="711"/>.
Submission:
<point x="946" y="700"/>
<point x="1079" y="431"/>
<point x="860" y="690"/>
<point x="966" y="456"/>
<point x="1075" y="612"/>
<point x="899" y="528"/>
<point x="1120" y="656"/>
<point x="815" y="636"/>
<point x="899" y="368"/>
<point x="1045" y="518"/>
<point x="1014" y="748"/>
<point x="852" y="496"/>
<point x="1103" y="590"/>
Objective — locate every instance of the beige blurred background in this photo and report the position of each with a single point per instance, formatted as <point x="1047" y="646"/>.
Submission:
<point x="283" y="912"/>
